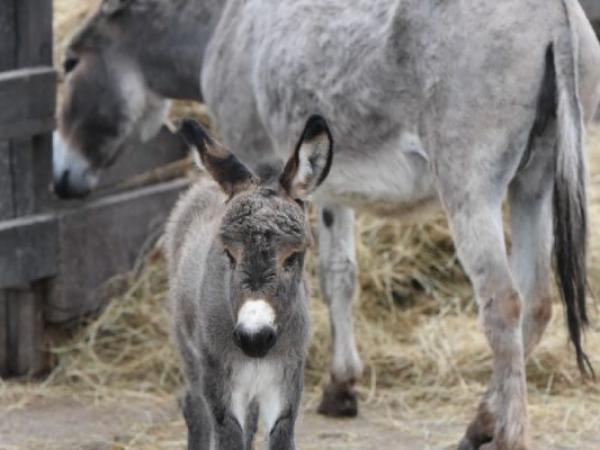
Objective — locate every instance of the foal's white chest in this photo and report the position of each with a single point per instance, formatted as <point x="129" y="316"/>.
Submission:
<point x="261" y="381"/>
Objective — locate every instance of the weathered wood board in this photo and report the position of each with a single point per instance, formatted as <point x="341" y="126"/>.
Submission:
<point x="102" y="239"/>
<point x="25" y="176"/>
<point x="25" y="331"/>
<point x="28" y="97"/>
<point x="6" y="197"/>
<point x="28" y="242"/>
<point x="25" y="33"/>
<point x="8" y="35"/>
<point x="28" y="250"/>
<point x="55" y="255"/>
<point x="3" y="334"/>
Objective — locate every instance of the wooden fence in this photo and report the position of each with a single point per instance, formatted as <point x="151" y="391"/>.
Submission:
<point x="55" y="255"/>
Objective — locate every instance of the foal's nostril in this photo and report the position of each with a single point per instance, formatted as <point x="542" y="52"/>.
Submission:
<point x="270" y="337"/>
<point x="255" y="344"/>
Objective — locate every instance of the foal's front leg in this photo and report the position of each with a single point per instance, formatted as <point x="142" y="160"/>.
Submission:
<point x="281" y="434"/>
<point x="227" y="431"/>
<point x="337" y="276"/>
<point x="197" y="420"/>
<point x="228" y="434"/>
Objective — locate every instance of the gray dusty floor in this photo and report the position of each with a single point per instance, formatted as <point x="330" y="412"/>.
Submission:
<point x="72" y="424"/>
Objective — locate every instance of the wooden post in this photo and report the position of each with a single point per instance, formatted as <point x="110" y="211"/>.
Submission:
<point x="25" y="334"/>
<point x="28" y="242"/>
<point x="3" y="334"/>
<point x="52" y="261"/>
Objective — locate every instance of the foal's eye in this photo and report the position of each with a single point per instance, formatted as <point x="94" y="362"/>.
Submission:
<point x="70" y="64"/>
<point x="291" y="261"/>
<point x="230" y="258"/>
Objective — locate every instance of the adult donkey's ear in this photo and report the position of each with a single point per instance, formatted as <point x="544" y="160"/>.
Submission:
<point x="309" y="165"/>
<point x="220" y="163"/>
<point x="110" y="7"/>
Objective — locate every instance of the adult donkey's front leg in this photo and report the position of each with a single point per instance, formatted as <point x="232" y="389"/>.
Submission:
<point x="337" y="274"/>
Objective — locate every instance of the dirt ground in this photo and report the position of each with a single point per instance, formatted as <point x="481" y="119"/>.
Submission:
<point x="73" y="424"/>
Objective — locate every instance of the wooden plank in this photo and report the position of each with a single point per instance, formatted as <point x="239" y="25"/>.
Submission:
<point x="165" y="148"/>
<point x="42" y="173"/>
<point x="31" y="94"/>
<point x="34" y="27"/>
<point x="8" y="35"/>
<point x="3" y="334"/>
<point x="21" y="155"/>
<point x="27" y="355"/>
<point x="28" y="250"/>
<point x="6" y="190"/>
<point x="25" y="176"/>
<point x="31" y="167"/>
<point x="102" y="239"/>
<point x="25" y="33"/>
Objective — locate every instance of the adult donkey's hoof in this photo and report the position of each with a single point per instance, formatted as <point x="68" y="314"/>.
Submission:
<point x="339" y="400"/>
<point x="474" y="441"/>
<point x="492" y="446"/>
<point x="466" y="444"/>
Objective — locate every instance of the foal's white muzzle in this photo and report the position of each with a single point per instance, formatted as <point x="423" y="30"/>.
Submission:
<point x="255" y="331"/>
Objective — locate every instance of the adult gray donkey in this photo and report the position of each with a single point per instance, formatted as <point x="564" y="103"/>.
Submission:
<point x="431" y="102"/>
<point x="239" y="300"/>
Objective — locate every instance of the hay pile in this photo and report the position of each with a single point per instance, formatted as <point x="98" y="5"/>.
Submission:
<point x="415" y="324"/>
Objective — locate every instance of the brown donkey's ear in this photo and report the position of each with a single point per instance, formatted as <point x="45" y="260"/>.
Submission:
<point x="220" y="163"/>
<point x="309" y="165"/>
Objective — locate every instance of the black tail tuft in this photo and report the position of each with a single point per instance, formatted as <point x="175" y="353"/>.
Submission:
<point x="570" y="200"/>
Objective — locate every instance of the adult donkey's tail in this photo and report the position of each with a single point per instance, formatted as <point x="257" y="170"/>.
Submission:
<point x="570" y="208"/>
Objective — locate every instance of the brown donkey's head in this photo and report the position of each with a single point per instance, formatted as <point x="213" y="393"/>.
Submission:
<point x="120" y="68"/>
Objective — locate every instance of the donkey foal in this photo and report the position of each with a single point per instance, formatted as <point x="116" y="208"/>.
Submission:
<point x="236" y="249"/>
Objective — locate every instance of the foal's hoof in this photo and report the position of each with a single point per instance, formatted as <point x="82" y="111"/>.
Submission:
<point x="339" y="400"/>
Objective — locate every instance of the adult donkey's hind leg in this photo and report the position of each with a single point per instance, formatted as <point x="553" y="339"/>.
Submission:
<point x="337" y="273"/>
<point x="530" y="199"/>
<point x="476" y="225"/>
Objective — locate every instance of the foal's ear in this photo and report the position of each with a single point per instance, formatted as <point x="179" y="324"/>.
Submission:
<point x="220" y="163"/>
<point x="110" y="7"/>
<point x="309" y="165"/>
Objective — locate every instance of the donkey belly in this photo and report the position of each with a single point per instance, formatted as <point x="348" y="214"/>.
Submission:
<point x="394" y="180"/>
